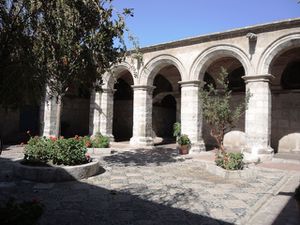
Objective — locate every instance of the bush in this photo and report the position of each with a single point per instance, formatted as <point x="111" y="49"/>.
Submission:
<point x="184" y="140"/>
<point x="100" y="141"/>
<point x="70" y="151"/>
<point x="230" y="161"/>
<point x="39" y="149"/>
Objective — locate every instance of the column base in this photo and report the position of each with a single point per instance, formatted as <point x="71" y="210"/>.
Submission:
<point x="141" y="141"/>
<point x="197" y="147"/>
<point x="256" y="155"/>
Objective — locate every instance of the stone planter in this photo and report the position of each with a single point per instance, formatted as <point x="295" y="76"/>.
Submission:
<point x="56" y="173"/>
<point x="100" y="151"/>
<point x="246" y="173"/>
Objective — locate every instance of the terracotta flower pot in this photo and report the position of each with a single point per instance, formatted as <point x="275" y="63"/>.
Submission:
<point x="184" y="149"/>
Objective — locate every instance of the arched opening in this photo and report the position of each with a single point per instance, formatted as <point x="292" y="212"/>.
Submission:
<point x="208" y="81"/>
<point x="75" y="112"/>
<point x="166" y="104"/>
<point x="235" y="71"/>
<point x="290" y="78"/>
<point x="285" y="88"/>
<point x="123" y="107"/>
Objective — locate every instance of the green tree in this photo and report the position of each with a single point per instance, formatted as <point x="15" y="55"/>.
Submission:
<point x="219" y="114"/>
<point x="56" y="43"/>
<point x="20" y="81"/>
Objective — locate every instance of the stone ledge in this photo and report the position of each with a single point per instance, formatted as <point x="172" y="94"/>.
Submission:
<point x="100" y="151"/>
<point x="246" y="173"/>
<point x="56" y="173"/>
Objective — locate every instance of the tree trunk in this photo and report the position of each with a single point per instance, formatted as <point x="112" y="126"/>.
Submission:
<point x="58" y="115"/>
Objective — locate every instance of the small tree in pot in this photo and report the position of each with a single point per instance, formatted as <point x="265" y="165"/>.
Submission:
<point x="221" y="117"/>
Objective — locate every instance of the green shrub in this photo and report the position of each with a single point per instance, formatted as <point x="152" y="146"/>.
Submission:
<point x="70" y="151"/>
<point x="100" y="141"/>
<point x="230" y="161"/>
<point x="25" y="213"/>
<point x="39" y="149"/>
<point x="184" y="140"/>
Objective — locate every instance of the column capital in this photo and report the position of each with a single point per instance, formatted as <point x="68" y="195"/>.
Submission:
<point x="191" y="83"/>
<point x="258" y="78"/>
<point x="143" y="87"/>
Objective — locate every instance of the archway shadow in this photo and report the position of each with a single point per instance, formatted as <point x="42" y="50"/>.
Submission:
<point x="80" y="202"/>
<point x="144" y="157"/>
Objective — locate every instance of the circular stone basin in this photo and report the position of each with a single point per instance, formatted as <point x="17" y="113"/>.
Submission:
<point x="55" y="173"/>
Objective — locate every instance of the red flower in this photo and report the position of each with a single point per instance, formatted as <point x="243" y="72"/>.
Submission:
<point x="53" y="138"/>
<point x="88" y="156"/>
<point x="88" y="144"/>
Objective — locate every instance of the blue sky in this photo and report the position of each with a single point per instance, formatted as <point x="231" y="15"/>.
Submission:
<point x="159" y="21"/>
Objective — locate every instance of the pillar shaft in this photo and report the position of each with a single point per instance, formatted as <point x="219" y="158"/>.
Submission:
<point x="101" y="112"/>
<point x="258" y="115"/>
<point x="142" y="116"/>
<point x="50" y="110"/>
<point x="191" y="115"/>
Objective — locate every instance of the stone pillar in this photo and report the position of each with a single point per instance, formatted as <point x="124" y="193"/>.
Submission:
<point x="101" y="113"/>
<point x="258" y="118"/>
<point x="191" y="114"/>
<point x="142" y="116"/>
<point x="50" y="109"/>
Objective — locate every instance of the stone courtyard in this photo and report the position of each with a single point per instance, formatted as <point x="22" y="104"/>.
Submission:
<point x="157" y="186"/>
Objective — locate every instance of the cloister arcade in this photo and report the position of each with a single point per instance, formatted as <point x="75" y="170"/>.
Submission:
<point x="140" y="104"/>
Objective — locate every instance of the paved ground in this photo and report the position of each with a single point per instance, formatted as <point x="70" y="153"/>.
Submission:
<point x="159" y="187"/>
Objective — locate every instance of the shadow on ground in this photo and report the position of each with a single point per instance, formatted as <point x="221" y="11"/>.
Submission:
<point x="287" y="214"/>
<point x="143" y="157"/>
<point x="82" y="203"/>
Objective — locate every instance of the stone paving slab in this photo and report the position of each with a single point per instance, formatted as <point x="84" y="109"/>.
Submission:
<point x="163" y="189"/>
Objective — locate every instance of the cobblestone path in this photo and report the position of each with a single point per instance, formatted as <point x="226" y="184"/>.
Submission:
<point x="136" y="189"/>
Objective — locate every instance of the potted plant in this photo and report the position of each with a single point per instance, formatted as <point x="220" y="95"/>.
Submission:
<point x="184" y="144"/>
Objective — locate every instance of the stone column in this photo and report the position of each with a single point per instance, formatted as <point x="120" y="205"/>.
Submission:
<point x="258" y="118"/>
<point x="142" y="116"/>
<point x="101" y="113"/>
<point x="50" y="109"/>
<point x="191" y="114"/>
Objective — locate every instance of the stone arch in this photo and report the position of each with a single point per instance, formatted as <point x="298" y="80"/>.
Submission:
<point x="213" y="53"/>
<point x="275" y="49"/>
<point x="109" y="78"/>
<point x="156" y="64"/>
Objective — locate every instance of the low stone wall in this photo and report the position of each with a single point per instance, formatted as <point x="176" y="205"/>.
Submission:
<point x="246" y="173"/>
<point x="56" y="173"/>
<point x="100" y="151"/>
